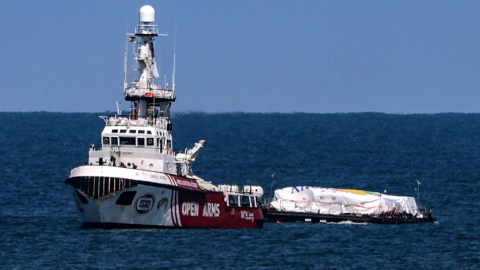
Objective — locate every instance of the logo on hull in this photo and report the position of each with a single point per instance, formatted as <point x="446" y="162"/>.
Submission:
<point x="144" y="204"/>
<point x="247" y="215"/>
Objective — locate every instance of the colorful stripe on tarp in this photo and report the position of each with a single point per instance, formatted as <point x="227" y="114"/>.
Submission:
<point x="360" y="192"/>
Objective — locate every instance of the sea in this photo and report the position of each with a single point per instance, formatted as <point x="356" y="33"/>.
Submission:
<point x="433" y="157"/>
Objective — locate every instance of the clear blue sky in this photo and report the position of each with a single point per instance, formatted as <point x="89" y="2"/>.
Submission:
<point x="250" y="56"/>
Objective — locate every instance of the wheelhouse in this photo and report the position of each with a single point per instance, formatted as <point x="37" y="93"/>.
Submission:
<point x="136" y="137"/>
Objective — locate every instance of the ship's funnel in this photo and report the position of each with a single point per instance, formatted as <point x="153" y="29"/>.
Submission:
<point x="147" y="14"/>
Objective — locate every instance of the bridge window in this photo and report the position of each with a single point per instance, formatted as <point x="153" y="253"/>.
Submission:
<point x="141" y="131"/>
<point x="133" y="131"/>
<point x="127" y="140"/>
<point x="114" y="130"/>
<point x="123" y="131"/>
<point x="114" y="140"/>
<point x="141" y="142"/>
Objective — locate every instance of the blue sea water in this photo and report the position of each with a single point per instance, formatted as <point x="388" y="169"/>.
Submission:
<point x="40" y="229"/>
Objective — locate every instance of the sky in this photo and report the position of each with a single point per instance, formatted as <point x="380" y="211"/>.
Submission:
<point x="283" y="56"/>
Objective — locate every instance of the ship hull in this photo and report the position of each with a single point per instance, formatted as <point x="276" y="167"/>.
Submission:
<point x="152" y="200"/>
<point x="285" y="216"/>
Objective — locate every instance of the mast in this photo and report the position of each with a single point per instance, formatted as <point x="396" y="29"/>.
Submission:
<point x="144" y="94"/>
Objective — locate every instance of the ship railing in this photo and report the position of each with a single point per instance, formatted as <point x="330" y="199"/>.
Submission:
<point x="157" y="148"/>
<point x="241" y="200"/>
<point x="153" y="93"/>
<point x="139" y="121"/>
<point x="148" y="29"/>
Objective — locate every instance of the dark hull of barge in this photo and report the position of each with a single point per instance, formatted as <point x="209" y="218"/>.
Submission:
<point x="281" y="216"/>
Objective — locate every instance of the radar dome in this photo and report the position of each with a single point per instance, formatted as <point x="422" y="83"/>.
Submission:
<point x="147" y="14"/>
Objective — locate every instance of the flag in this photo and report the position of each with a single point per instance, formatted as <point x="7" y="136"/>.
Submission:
<point x="131" y="39"/>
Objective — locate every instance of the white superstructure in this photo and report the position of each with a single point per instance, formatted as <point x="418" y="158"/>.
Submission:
<point x="142" y="140"/>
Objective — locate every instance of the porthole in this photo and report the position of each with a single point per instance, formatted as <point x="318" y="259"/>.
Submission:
<point x="106" y="140"/>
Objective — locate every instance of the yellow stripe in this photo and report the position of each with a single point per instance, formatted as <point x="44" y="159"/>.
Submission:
<point x="361" y="192"/>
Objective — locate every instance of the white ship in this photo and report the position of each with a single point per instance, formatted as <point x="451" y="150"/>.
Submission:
<point x="135" y="179"/>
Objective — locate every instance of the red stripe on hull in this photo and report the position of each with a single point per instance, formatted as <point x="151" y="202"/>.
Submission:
<point x="185" y="182"/>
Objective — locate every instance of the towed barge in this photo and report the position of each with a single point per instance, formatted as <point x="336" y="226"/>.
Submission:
<point x="330" y="205"/>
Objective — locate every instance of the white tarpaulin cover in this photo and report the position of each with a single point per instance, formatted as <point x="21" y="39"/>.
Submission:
<point x="340" y="201"/>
